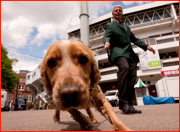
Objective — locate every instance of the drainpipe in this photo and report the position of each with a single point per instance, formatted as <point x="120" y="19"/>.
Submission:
<point x="84" y="23"/>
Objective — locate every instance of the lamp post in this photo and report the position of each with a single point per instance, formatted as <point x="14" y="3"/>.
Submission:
<point x="15" y="100"/>
<point x="84" y="22"/>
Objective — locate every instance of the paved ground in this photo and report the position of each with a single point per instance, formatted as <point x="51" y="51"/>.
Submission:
<point x="153" y="118"/>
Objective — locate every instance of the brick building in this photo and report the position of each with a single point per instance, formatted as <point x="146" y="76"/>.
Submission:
<point x="20" y="91"/>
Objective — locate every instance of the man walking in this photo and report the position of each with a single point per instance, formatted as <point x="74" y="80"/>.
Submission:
<point x="118" y="38"/>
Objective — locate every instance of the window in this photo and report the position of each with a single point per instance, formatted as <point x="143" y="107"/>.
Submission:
<point x="29" y="98"/>
<point x="20" y="96"/>
<point x="41" y="89"/>
<point x="27" y="88"/>
<point x="23" y="79"/>
<point x="28" y="77"/>
<point x="20" y="79"/>
<point x="148" y="82"/>
<point x="21" y="87"/>
<point x="177" y="10"/>
<point x="166" y="34"/>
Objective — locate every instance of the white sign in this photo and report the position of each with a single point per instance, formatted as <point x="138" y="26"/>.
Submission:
<point x="148" y="60"/>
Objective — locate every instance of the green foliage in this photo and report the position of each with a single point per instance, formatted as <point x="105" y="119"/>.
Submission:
<point x="8" y="78"/>
<point x="46" y="104"/>
<point x="134" y="103"/>
<point x="37" y="105"/>
<point x="31" y="107"/>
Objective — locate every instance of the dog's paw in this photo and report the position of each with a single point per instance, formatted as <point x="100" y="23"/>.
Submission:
<point x="120" y="127"/>
<point x="56" y="119"/>
<point x="95" y="121"/>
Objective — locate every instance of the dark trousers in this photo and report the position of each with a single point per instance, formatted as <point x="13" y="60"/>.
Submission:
<point x="126" y="79"/>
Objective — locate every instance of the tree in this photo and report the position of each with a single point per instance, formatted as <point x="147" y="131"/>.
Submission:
<point x="8" y="78"/>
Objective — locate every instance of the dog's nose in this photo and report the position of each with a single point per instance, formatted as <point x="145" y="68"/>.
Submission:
<point x="70" y="95"/>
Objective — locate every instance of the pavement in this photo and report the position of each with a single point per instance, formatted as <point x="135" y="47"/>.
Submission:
<point x="162" y="117"/>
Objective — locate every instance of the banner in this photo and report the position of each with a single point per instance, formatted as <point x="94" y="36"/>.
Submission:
<point x="148" y="60"/>
<point x="170" y="72"/>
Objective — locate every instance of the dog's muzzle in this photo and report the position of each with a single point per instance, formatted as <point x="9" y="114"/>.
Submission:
<point x="70" y="95"/>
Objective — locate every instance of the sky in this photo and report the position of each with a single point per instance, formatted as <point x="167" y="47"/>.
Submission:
<point x="28" y="28"/>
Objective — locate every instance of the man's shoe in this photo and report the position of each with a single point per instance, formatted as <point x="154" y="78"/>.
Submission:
<point x="133" y="110"/>
<point x="125" y="109"/>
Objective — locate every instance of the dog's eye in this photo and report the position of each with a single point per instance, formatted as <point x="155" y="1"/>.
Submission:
<point x="51" y="63"/>
<point x="83" y="59"/>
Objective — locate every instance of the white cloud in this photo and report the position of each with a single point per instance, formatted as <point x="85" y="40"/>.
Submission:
<point x="22" y="63"/>
<point x="51" y="18"/>
<point x="127" y="3"/>
<point x="96" y="7"/>
<point x="140" y="2"/>
<point x="44" y="51"/>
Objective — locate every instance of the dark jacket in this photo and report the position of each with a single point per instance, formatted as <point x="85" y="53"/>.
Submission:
<point x="120" y="40"/>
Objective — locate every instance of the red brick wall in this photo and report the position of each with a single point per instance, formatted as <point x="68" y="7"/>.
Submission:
<point x="25" y="92"/>
<point x="42" y="102"/>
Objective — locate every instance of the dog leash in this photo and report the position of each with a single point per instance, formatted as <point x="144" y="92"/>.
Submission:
<point x="108" y="53"/>
<point x="99" y="50"/>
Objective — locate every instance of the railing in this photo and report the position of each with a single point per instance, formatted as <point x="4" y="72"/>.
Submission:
<point x="154" y="41"/>
<point x="175" y="63"/>
<point x="165" y="40"/>
<point x="108" y="72"/>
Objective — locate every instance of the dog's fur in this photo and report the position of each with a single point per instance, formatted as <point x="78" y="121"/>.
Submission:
<point x="70" y="74"/>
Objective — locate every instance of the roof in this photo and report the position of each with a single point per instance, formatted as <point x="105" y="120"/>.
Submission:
<point x="140" y="84"/>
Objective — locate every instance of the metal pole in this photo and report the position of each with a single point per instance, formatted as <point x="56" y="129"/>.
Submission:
<point x="84" y="23"/>
<point x="16" y="94"/>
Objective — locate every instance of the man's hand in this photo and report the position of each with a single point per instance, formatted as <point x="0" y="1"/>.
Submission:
<point x="106" y="46"/>
<point x="151" y="49"/>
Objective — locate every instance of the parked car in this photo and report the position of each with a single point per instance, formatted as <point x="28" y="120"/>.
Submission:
<point x="112" y="97"/>
<point x="4" y="100"/>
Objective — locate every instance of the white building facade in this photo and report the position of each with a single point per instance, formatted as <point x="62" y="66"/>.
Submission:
<point x="156" y="23"/>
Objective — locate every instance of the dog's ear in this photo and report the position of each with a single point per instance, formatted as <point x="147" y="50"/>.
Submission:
<point x="45" y="79"/>
<point x="95" y="75"/>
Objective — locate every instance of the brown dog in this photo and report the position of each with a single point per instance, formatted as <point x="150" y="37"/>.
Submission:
<point x="70" y="74"/>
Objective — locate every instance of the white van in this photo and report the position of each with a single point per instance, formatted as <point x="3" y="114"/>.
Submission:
<point x="112" y="97"/>
<point x="4" y="100"/>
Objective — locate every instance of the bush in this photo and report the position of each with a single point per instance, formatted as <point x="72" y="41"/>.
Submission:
<point x="31" y="106"/>
<point x="37" y="106"/>
<point x="46" y="104"/>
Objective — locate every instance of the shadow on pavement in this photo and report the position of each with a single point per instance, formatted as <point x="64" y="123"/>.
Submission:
<point x="74" y="126"/>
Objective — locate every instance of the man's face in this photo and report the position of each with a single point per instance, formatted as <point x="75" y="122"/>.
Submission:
<point x="117" y="13"/>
